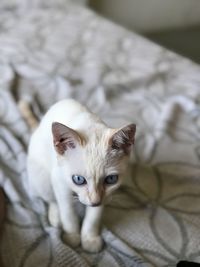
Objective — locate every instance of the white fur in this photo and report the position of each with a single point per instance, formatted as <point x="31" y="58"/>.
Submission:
<point x="50" y="174"/>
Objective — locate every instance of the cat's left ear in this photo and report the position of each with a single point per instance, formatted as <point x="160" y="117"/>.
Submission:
<point x="123" y="139"/>
<point x="64" y="138"/>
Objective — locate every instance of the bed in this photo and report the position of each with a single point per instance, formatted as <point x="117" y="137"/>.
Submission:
<point x="50" y="50"/>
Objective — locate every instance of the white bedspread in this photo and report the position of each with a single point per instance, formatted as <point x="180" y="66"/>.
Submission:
<point x="47" y="54"/>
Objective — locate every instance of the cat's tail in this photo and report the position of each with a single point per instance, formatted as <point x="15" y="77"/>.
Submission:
<point x="27" y="114"/>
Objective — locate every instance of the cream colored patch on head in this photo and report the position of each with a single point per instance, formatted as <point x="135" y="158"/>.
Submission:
<point x="95" y="156"/>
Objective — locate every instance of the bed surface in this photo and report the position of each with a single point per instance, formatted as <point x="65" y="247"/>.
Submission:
<point x="52" y="51"/>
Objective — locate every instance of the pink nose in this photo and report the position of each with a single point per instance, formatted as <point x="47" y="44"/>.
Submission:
<point x="95" y="198"/>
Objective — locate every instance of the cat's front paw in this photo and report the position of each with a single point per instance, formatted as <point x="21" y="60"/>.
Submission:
<point x="92" y="243"/>
<point x="72" y="239"/>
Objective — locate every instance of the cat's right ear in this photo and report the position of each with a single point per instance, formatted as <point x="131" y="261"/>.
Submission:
<point x="64" y="138"/>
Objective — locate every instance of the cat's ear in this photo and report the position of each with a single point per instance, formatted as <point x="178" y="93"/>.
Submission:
<point x="123" y="139"/>
<point x="64" y="138"/>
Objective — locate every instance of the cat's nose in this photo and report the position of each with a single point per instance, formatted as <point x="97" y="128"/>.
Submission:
<point x="96" y="204"/>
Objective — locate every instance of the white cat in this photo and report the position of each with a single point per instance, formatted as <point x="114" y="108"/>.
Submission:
<point x="73" y="151"/>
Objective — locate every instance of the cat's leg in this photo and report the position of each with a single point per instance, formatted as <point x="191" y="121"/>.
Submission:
<point x="69" y="220"/>
<point x="90" y="233"/>
<point x="54" y="215"/>
<point x="68" y="217"/>
<point x="39" y="183"/>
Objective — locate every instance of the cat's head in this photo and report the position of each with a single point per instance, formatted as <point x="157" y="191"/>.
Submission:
<point x="94" y="164"/>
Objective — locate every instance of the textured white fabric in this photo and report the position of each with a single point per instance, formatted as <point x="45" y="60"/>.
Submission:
<point x="49" y="54"/>
<point x="27" y="4"/>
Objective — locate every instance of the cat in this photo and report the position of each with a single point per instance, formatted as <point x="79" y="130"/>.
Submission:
<point x="73" y="151"/>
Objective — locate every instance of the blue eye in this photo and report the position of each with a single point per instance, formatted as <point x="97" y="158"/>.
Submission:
<point x="79" y="180"/>
<point x="111" y="179"/>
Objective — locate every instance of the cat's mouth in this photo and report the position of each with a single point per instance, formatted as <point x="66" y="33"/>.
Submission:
<point x="92" y="204"/>
<point x="95" y="204"/>
<point x="76" y="197"/>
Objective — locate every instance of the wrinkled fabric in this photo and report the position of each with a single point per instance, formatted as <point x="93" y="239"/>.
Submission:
<point x="50" y="53"/>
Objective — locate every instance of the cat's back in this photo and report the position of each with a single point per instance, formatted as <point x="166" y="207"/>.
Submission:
<point x="68" y="112"/>
<point x="64" y="111"/>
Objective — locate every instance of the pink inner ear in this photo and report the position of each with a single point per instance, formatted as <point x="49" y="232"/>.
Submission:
<point x="63" y="137"/>
<point x="124" y="138"/>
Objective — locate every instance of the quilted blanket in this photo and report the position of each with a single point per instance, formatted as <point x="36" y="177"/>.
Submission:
<point x="52" y="51"/>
